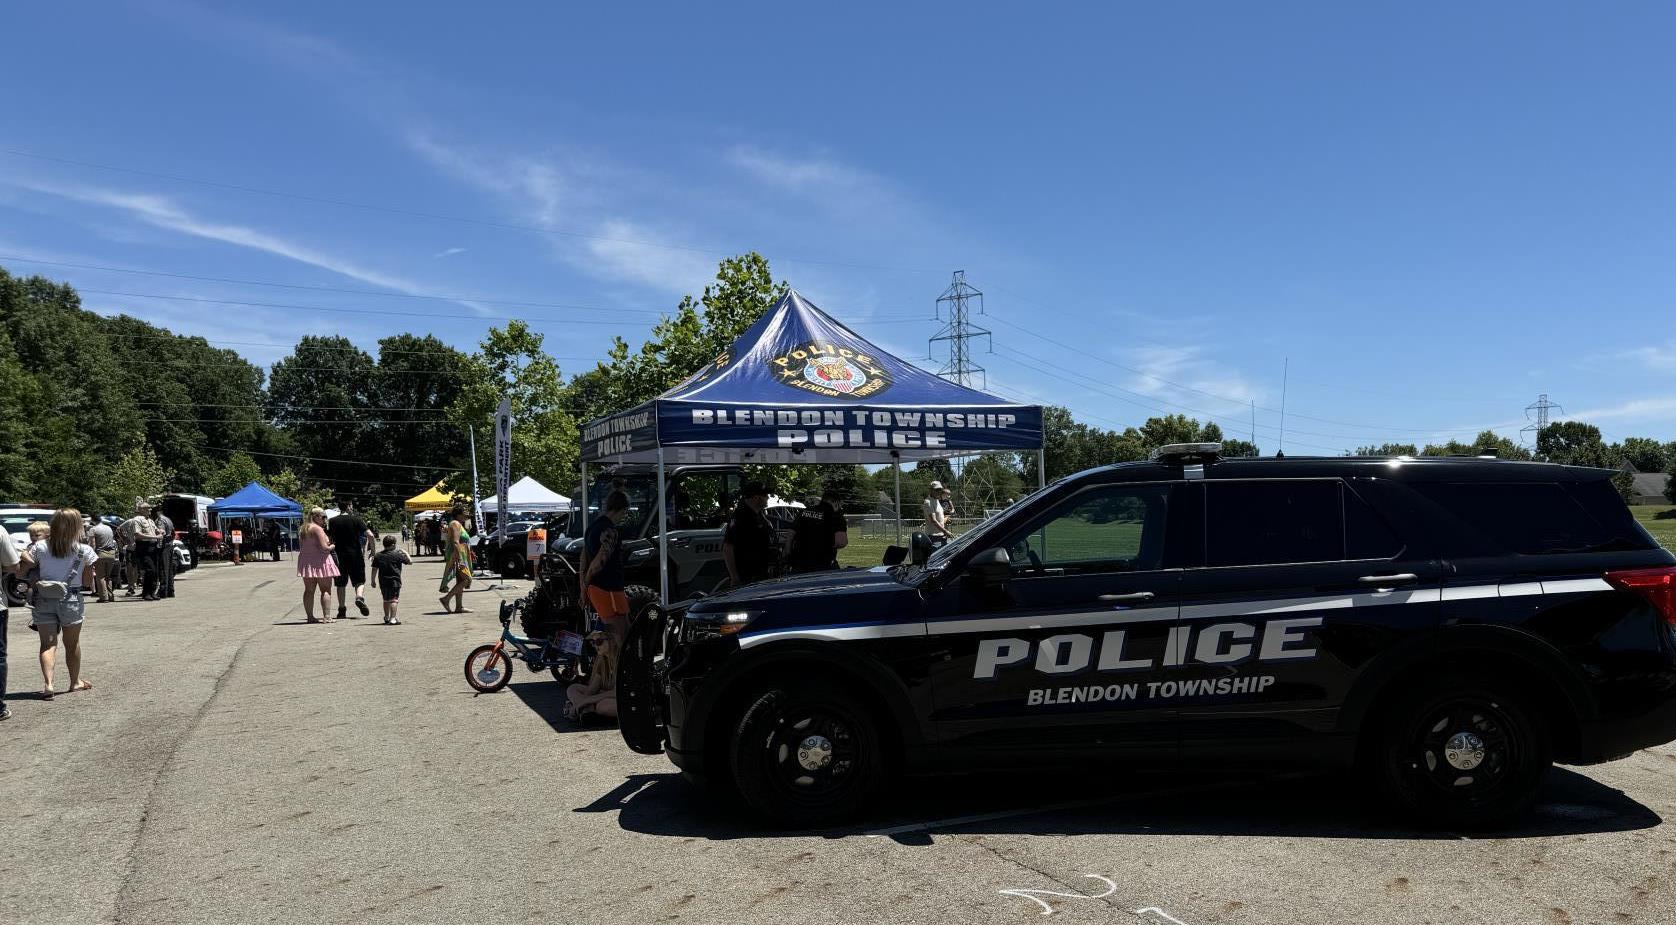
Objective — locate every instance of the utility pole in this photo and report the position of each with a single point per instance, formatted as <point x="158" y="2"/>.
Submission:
<point x="1538" y="414"/>
<point x="976" y="489"/>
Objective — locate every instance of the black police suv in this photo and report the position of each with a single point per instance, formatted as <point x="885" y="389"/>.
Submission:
<point x="1451" y="626"/>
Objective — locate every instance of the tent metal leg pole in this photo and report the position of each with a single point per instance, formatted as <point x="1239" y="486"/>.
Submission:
<point x="1041" y="468"/>
<point x="582" y="561"/>
<point x="896" y="469"/>
<point x="663" y="538"/>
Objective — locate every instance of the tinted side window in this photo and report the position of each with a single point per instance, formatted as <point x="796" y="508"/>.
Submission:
<point x="1113" y="527"/>
<point x="1264" y="523"/>
<point x="1366" y="534"/>
<point x="1529" y="518"/>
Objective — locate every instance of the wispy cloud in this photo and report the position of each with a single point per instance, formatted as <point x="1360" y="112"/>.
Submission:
<point x="163" y="212"/>
<point x="627" y="251"/>
<point x="1187" y="375"/>
<point x="535" y="187"/>
<point x="1658" y="358"/>
<point x="818" y="174"/>
<point x="1650" y="409"/>
<point x="448" y="252"/>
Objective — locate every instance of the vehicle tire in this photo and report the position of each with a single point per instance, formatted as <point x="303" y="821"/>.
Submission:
<point x="805" y="753"/>
<point x="567" y="673"/>
<point x="17" y="591"/>
<point x="639" y="597"/>
<point x="512" y="565"/>
<point x="1461" y="753"/>
<point x="640" y="700"/>
<point x="484" y="678"/>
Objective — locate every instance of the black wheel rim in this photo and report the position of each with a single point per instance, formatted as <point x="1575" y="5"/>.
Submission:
<point x="1464" y="748"/>
<point x="812" y="754"/>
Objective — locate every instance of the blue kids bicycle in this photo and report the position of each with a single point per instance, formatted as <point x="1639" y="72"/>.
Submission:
<point x="489" y="666"/>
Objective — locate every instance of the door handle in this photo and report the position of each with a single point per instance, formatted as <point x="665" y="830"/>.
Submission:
<point x="679" y="542"/>
<point x="1134" y="598"/>
<point x="1400" y="579"/>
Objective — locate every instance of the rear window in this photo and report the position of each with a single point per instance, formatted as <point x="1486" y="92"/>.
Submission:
<point x="1542" y="518"/>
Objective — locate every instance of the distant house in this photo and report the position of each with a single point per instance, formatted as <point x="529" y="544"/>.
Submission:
<point x="1646" y="487"/>
<point x="1649" y="488"/>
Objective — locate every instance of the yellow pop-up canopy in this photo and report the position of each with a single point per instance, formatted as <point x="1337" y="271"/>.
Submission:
<point x="432" y="499"/>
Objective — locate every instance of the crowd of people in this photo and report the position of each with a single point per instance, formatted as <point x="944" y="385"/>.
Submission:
<point x="73" y="560"/>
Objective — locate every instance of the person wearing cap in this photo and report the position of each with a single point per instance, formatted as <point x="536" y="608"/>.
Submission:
<point x="818" y="533"/>
<point x="147" y="544"/>
<point x="936" y="519"/>
<point x="749" y="545"/>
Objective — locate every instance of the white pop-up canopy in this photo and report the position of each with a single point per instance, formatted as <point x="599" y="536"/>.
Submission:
<point x="527" y="496"/>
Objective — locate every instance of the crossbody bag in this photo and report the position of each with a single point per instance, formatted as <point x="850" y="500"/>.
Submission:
<point x="58" y="590"/>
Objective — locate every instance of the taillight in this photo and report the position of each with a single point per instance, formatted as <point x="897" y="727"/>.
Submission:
<point x="1657" y="585"/>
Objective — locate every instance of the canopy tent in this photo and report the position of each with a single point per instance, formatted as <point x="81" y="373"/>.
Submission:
<point x="527" y="496"/>
<point x="799" y="387"/>
<point x="431" y="499"/>
<point x="254" y="500"/>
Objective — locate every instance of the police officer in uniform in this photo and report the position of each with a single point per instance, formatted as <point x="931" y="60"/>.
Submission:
<point x="165" y="554"/>
<point x="818" y="533"/>
<point x="749" y="547"/>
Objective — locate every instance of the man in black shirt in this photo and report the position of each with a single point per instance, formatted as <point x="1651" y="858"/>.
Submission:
<point x="349" y="533"/>
<point x="748" y="543"/>
<point x="818" y="533"/>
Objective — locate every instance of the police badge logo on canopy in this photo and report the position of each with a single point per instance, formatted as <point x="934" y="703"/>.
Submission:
<point x="832" y="370"/>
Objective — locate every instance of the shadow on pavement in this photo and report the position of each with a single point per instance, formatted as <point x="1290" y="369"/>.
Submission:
<point x="546" y="699"/>
<point x="1058" y="804"/>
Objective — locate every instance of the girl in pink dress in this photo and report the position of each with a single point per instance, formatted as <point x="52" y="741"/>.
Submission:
<point x="316" y="565"/>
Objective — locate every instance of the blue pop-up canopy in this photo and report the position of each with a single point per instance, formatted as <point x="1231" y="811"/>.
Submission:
<point x="798" y="386"/>
<point x="254" y="500"/>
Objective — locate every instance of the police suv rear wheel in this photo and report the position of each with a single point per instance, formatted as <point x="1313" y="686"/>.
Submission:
<point x="1464" y="754"/>
<point x="805" y="753"/>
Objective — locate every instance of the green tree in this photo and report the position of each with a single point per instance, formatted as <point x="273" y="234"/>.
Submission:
<point x="1572" y="443"/>
<point x="700" y="332"/>
<point x="238" y="471"/>
<point x="287" y="484"/>
<point x="136" y="474"/>
<point x="1486" y="443"/>
<point x="1388" y="449"/>
<point x="1239" y="449"/>
<point x="1644" y="454"/>
<point x="512" y="364"/>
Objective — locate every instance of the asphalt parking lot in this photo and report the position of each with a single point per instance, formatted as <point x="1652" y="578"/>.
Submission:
<point x="233" y="764"/>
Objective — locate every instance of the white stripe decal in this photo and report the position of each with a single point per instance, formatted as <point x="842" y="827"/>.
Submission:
<point x="1575" y="585"/>
<point x="835" y="633"/>
<point x="1170" y="614"/>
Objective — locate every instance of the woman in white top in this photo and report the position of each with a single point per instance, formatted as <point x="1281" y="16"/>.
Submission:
<point x="64" y="568"/>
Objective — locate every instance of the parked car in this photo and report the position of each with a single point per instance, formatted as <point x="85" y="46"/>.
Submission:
<point x="16" y="521"/>
<point x="1448" y="626"/>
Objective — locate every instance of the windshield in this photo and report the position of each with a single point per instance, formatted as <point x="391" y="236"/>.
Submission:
<point x="18" y="524"/>
<point x="953" y="547"/>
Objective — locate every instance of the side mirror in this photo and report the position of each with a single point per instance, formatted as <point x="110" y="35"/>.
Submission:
<point x="990" y="567"/>
<point x="895" y="555"/>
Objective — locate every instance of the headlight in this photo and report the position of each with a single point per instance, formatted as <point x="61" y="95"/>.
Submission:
<point x="718" y="623"/>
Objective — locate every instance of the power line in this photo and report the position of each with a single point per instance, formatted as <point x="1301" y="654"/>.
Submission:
<point x="352" y="462"/>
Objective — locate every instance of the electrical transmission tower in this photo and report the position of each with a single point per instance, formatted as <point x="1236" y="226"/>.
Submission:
<point x="1538" y="412"/>
<point x="975" y="487"/>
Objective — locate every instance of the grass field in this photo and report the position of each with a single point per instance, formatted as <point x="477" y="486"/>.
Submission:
<point x="1663" y="529"/>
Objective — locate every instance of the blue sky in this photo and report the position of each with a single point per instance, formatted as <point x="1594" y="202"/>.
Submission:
<point x="1433" y="211"/>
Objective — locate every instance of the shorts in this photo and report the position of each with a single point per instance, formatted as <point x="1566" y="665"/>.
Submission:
<point x="390" y="589"/>
<point x="608" y="604"/>
<point x="352" y="569"/>
<point x="66" y="611"/>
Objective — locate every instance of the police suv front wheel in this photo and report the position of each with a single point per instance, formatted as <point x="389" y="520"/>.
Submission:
<point x="806" y="753"/>
<point x="1463" y="754"/>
